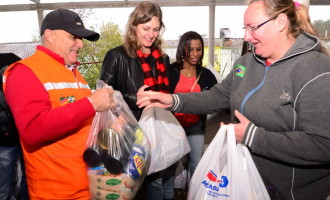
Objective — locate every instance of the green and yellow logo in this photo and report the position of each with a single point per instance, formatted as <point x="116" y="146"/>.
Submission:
<point x="240" y="70"/>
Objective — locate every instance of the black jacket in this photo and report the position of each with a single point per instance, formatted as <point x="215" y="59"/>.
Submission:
<point x="125" y="74"/>
<point x="206" y="80"/>
<point x="8" y="130"/>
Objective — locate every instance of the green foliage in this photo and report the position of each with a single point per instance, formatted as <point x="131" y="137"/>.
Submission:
<point x="92" y="55"/>
<point x="322" y="26"/>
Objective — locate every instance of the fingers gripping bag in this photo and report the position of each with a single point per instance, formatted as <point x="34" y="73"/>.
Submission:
<point x="117" y="152"/>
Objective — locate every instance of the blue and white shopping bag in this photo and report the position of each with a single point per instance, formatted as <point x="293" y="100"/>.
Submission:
<point x="226" y="171"/>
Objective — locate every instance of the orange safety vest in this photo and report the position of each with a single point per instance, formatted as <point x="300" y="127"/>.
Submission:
<point x="57" y="170"/>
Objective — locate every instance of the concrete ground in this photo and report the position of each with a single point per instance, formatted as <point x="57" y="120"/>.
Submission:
<point x="213" y="124"/>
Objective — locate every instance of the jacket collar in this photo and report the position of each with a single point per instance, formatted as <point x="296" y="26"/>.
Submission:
<point x="305" y="42"/>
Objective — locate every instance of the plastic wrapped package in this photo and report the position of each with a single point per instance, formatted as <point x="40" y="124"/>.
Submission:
<point x="117" y="153"/>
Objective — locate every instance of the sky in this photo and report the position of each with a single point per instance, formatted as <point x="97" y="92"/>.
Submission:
<point x="22" y="26"/>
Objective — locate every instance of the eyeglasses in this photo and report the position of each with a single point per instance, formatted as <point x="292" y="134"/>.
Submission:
<point x="251" y="29"/>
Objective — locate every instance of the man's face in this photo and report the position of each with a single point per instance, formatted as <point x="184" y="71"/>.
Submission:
<point x="67" y="46"/>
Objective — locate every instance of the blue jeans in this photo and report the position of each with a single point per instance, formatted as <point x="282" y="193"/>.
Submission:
<point x="195" y="135"/>
<point x="161" y="184"/>
<point x="168" y="181"/>
<point x="197" y="146"/>
<point x="10" y="173"/>
<point x="155" y="188"/>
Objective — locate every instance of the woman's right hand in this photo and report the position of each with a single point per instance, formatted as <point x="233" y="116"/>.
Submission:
<point x="149" y="99"/>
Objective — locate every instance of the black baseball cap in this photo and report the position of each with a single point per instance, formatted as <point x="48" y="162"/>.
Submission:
<point x="69" y="21"/>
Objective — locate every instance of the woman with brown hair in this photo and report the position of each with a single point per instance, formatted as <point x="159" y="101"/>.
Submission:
<point x="140" y="61"/>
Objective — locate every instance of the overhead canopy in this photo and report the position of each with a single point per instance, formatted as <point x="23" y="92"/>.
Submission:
<point x="76" y="4"/>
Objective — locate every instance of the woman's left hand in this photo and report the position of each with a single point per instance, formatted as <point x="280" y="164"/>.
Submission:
<point x="240" y="127"/>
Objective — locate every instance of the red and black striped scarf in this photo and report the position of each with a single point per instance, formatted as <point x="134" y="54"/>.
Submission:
<point x="161" y="83"/>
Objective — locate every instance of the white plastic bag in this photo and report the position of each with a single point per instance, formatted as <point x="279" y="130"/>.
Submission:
<point x="256" y="181"/>
<point x="168" y="139"/>
<point x="226" y="172"/>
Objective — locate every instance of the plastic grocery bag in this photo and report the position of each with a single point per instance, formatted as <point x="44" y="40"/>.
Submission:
<point x="226" y="171"/>
<point x="168" y="139"/>
<point x="257" y="183"/>
<point x="117" y="153"/>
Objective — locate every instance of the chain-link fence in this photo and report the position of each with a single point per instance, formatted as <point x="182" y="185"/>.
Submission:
<point x="21" y="49"/>
<point x="226" y="51"/>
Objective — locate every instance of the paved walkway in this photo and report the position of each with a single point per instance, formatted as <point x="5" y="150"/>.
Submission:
<point x="213" y="124"/>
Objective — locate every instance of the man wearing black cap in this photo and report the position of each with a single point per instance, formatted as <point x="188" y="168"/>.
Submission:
<point x="53" y="108"/>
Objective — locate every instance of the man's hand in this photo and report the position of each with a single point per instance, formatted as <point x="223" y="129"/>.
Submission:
<point x="102" y="99"/>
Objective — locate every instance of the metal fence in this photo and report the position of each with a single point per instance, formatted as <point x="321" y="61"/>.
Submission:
<point x="21" y="49"/>
<point x="225" y="51"/>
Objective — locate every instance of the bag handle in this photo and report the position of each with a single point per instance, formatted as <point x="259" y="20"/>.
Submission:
<point x="199" y="75"/>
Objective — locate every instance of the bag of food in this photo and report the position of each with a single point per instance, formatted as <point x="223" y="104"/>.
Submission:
<point x="117" y="153"/>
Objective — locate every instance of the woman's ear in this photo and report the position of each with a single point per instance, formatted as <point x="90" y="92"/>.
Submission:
<point x="282" y="22"/>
